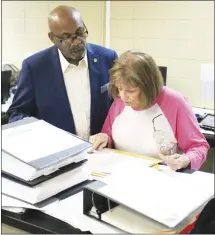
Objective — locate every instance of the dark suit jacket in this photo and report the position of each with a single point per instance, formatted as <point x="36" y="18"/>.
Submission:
<point x="41" y="91"/>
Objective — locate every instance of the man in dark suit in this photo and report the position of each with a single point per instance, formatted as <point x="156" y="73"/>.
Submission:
<point x="66" y="84"/>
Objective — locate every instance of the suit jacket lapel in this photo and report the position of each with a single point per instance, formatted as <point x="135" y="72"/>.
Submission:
<point x="61" y="93"/>
<point x="94" y="73"/>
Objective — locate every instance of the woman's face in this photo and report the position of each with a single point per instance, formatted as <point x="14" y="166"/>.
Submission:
<point x="130" y="94"/>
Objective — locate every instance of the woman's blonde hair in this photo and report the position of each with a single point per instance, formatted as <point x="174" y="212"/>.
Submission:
<point x="140" y="70"/>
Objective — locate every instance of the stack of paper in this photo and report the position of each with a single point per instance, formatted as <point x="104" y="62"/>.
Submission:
<point x="38" y="148"/>
<point x="70" y="210"/>
<point x="40" y="160"/>
<point x="107" y="165"/>
<point x="45" y="189"/>
<point x="15" y="205"/>
<point x="159" y="193"/>
<point x="133" y="222"/>
<point x="168" y="200"/>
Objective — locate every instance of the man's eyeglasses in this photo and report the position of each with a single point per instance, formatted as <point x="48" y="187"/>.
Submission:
<point x="165" y="147"/>
<point x="82" y="34"/>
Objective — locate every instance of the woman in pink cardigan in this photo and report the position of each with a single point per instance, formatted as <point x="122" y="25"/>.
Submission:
<point x="148" y="118"/>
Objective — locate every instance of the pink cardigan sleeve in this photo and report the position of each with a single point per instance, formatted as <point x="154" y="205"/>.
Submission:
<point x="115" y="109"/>
<point x="185" y="126"/>
<point x="189" y="136"/>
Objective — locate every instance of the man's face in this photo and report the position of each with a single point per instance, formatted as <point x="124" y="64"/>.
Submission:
<point x="70" y="38"/>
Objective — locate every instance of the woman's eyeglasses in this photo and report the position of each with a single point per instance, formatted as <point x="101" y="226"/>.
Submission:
<point x="166" y="147"/>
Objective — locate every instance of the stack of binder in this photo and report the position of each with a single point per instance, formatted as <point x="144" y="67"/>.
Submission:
<point x="40" y="160"/>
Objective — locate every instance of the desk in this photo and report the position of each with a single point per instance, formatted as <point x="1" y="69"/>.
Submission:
<point x="38" y="222"/>
<point x="11" y="230"/>
<point x="210" y="137"/>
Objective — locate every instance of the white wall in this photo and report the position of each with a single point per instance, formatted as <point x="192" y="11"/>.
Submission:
<point x="178" y="34"/>
<point x="25" y="27"/>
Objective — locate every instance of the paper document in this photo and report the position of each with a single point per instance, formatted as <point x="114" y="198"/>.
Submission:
<point x="18" y="210"/>
<point x="9" y="202"/>
<point x="109" y="161"/>
<point x="207" y="79"/>
<point x="36" y="140"/>
<point x="47" y="188"/>
<point x="165" y="199"/>
<point x="113" y="165"/>
<point x="70" y="210"/>
<point x="207" y="132"/>
<point x="199" y="179"/>
<point x="132" y="222"/>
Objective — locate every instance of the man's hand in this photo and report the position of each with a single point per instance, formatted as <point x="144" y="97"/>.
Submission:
<point x="99" y="141"/>
<point x="176" y="161"/>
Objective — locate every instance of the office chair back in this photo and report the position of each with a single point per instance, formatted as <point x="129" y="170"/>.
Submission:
<point x="163" y="71"/>
<point x="5" y="85"/>
<point x="205" y="224"/>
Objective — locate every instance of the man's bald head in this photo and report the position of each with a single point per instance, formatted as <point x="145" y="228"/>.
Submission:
<point x="61" y="17"/>
<point x="68" y="32"/>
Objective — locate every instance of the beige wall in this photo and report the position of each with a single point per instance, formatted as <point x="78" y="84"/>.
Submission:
<point x="178" y="34"/>
<point x="24" y="25"/>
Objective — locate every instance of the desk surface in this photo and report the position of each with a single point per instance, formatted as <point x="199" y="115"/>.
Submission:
<point x="11" y="230"/>
<point x="36" y="222"/>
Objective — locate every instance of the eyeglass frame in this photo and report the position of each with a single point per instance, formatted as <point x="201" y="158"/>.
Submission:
<point x="153" y="122"/>
<point x="72" y="37"/>
<point x="170" y="150"/>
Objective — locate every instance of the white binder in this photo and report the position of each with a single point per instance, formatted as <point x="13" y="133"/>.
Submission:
<point x="32" y="147"/>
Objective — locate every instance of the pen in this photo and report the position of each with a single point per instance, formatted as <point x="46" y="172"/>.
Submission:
<point x="158" y="163"/>
<point x="101" y="172"/>
<point x="98" y="175"/>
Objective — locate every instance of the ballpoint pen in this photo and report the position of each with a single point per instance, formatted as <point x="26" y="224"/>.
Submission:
<point x="99" y="173"/>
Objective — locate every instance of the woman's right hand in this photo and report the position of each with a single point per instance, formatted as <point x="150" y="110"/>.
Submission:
<point x="99" y="141"/>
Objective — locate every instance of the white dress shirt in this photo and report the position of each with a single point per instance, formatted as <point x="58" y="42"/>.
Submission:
<point x="77" y="84"/>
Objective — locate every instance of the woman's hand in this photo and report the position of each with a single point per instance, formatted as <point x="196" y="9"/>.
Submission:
<point x="176" y="161"/>
<point x="99" y="141"/>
